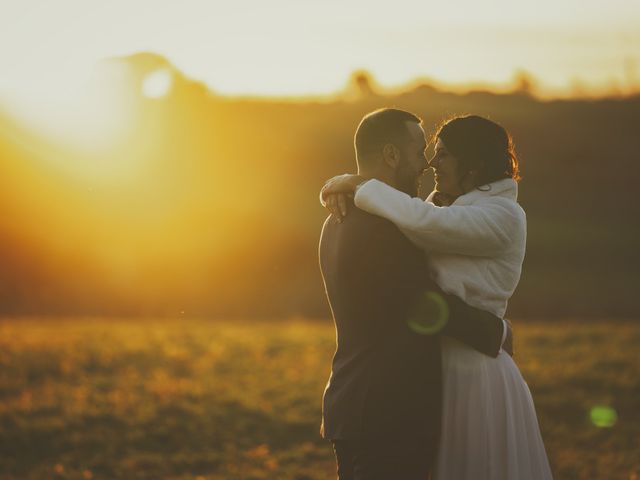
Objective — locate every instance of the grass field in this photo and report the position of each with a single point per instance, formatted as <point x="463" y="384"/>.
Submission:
<point x="191" y="399"/>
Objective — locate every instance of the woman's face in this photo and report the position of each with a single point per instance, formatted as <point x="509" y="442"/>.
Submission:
<point x="447" y="176"/>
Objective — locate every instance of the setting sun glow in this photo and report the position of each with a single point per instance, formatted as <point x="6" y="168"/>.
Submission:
<point x="163" y="306"/>
<point x="165" y="156"/>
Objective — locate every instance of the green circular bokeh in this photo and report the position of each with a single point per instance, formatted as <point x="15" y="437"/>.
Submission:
<point x="429" y="314"/>
<point x="603" y="416"/>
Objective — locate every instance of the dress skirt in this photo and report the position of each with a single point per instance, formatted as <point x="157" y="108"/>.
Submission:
<point x="489" y="425"/>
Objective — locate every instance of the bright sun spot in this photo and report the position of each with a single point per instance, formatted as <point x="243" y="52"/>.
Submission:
<point x="84" y="117"/>
<point x="157" y="84"/>
<point x="89" y="112"/>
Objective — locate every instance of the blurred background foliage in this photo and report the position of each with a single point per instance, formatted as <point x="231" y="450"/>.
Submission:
<point x="197" y="204"/>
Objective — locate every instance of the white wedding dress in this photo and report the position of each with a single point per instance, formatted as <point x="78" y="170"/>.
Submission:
<point x="476" y="247"/>
<point x="489" y="425"/>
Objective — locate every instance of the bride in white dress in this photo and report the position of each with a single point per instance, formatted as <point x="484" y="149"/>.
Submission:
<point x="474" y="232"/>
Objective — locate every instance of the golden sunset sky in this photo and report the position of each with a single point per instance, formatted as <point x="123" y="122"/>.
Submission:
<point x="300" y="47"/>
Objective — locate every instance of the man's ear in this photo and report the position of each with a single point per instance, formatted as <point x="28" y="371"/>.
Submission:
<point x="391" y="155"/>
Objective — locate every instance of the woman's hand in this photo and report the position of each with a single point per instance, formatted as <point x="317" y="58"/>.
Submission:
<point x="335" y="192"/>
<point x="336" y="203"/>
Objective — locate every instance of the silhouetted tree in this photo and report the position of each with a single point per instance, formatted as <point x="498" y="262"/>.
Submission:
<point x="524" y="83"/>
<point x="361" y="84"/>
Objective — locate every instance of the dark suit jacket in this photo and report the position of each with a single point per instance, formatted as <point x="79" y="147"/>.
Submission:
<point x="386" y="379"/>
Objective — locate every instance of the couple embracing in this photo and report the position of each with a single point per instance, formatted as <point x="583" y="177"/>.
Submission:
<point x="423" y="384"/>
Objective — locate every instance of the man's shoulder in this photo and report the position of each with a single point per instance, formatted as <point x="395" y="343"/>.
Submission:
<point x="369" y="234"/>
<point x="357" y="222"/>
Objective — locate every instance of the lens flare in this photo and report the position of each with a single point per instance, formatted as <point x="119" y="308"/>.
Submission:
<point x="603" y="416"/>
<point x="429" y="315"/>
<point x="157" y="84"/>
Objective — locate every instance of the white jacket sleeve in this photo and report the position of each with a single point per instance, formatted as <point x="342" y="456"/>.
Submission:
<point x="482" y="229"/>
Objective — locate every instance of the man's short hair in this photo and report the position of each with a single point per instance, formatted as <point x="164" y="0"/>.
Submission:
<point x="386" y="125"/>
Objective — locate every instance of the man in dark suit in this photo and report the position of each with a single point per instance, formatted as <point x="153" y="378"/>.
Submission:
<point x="382" y="403"/>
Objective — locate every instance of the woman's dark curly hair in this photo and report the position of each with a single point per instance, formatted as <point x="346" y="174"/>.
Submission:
<point x="480" y="145"/>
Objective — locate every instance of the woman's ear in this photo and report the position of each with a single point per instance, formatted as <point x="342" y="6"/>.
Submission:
<point x="391" y="155"/>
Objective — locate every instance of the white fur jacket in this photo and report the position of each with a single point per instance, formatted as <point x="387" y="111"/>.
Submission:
<point x="475" y="246"/>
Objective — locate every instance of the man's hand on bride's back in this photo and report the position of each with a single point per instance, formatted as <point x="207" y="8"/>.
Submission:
<point x="336" y="191"/>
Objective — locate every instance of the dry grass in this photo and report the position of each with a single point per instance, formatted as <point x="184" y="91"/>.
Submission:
<point x="186" y="399"/>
